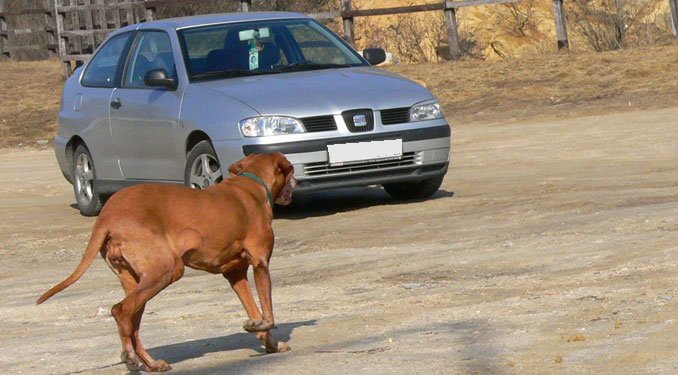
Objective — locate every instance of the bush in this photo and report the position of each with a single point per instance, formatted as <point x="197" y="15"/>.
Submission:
<point x="614" y="24"/>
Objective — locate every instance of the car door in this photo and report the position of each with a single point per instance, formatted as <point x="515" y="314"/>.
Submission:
<point x="90" y="108"/>
<point x="145" y="120"/>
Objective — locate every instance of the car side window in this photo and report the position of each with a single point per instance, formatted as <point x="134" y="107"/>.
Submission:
<point x="316" y="47"/>
<point x="153" y="50"/>
<point x="103" y="69"/>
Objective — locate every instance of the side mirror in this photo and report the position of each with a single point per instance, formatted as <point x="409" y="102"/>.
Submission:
<point x="159" y="78"/>
<point x="374" y="56"/>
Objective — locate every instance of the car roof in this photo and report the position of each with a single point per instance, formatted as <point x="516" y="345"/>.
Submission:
<point x="211" y="19"/>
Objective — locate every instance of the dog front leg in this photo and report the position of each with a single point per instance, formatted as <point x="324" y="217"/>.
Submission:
<point x="262" y="279"/>
<point x="241" y="286"/>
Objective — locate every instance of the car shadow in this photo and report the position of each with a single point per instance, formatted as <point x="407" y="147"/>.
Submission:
<point x="194" y="349"/>
<point x="330" y="202"/>
<point x="323" y="203"/>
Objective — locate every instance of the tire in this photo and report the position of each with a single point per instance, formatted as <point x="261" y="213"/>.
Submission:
<point x="87" y="198"/>
<point x="202" y="167"/>
<point x="414" y="190"/>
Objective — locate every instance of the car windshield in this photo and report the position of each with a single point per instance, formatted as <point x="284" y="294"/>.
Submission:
<point x="263" y="47"/>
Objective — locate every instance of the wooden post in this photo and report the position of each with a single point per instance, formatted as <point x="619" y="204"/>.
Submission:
<point x="4" y="36"/>
<point x="65" y="65"/>
<point x="561" y="24"/>
<point x="89" y="24"/>
<point x="130" y="14"/>
<point x="50" y="28"/>
<point x="101" y="14"/>
<point x="150" y="14"/>
<point x="674" y="17"/>
<point x="117" y="22"/>
<point x="75" y="22"/>
<point x="245" y="5"/>
<point x="620" y="27"/>
<point x="452" y="32"/>
<point x="349" y="25"/>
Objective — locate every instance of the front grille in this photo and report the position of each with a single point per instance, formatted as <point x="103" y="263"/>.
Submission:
<point x="350" y="116"/>
<point x="395" y="116"/>
<point x="324" y="168"/>
<point x="319" y="124"/>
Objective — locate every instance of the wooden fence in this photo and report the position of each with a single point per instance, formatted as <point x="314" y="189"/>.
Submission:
<point x="673" y="4"/>
<point x="82" y="25"/>
<point x="27" y="30"/>
<point x="73" y="29"/>
<point x="348" y="14"/>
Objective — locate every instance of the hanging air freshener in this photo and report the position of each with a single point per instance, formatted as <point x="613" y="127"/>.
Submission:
<point x="254" y="52"/>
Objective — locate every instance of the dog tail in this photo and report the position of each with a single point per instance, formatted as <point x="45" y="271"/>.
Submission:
<point x="93" y="247"/>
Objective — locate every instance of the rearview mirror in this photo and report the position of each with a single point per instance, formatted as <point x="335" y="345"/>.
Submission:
<point x="253" y="34"/>
<point x="374" y="56"/>
<point x="159" y="78"/>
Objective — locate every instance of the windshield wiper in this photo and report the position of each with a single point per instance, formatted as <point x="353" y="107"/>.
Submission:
<point x="295" y="67"/>
<point x="230" y="73"/>
<point x="305" y="65"/>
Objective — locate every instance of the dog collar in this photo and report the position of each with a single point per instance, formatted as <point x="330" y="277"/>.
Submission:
<point x="260" y="181"/>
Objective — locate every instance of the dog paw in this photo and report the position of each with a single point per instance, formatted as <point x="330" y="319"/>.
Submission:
<point x="130" y="360"/>
<point x="253" y="326"/>
<point x="158" y="366"/>
<point x="283" y="347"/>
<point x="276" y="347"/>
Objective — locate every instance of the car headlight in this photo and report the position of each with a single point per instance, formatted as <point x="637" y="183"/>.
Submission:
<point x="264" y="126"/>
<point x="423" y="112"/>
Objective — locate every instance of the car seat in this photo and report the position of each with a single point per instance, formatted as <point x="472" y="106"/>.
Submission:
<point x="236" y="50"/>
<point x="216" y="61"/>
<point x="269" y="56"/>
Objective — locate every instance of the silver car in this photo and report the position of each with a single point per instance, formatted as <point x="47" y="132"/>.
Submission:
<point x="179" y="100"/>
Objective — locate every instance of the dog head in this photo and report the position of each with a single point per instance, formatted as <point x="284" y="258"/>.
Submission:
<point x="274" y="169"/>
<point x="285" y="178"/>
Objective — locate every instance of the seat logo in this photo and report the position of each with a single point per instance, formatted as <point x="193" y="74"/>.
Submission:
<point x="359" y="120"/>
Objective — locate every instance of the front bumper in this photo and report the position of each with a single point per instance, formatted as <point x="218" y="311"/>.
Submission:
<point x="426" y="154"/>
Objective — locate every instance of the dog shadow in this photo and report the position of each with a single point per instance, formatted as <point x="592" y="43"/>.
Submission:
<point x="324" y="203"/>
<point x="194" y="349"/>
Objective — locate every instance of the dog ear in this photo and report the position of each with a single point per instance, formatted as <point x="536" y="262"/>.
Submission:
<point x="236" y="168"/>
<point x="285" y="166"/>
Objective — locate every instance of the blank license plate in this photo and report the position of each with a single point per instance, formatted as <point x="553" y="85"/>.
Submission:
<point x="365" y="152"/>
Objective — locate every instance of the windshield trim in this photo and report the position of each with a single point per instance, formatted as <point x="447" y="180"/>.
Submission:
<point x="187" y="62"/>
<point x="217" y="23"/>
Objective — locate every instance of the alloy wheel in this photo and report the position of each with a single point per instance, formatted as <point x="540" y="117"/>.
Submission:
<point x="205" y="172"/>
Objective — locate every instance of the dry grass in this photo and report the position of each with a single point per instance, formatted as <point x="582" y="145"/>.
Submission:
<point x="472" y="91"/>
<point x="30" y="93"/>
<point x="556" y="85"/>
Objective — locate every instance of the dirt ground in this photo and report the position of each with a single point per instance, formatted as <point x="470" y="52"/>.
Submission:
<point x="551" y="248"/>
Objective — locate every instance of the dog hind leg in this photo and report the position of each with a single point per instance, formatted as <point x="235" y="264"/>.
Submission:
<point x="129" y="284"/>
<point x="138" y="291"/>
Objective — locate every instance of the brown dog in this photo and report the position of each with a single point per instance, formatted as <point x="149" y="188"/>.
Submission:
<point x="148" y="233"/>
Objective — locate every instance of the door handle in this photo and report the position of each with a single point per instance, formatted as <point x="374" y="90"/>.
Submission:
<point x="116" y="103"/>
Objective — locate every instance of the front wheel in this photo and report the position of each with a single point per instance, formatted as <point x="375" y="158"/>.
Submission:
<point x="414" y="190"/>
<point x="202" y="167"/>
<point x="88" y="200"/>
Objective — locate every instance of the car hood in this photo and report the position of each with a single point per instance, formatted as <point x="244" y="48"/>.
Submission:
<point x="322" y="92"/>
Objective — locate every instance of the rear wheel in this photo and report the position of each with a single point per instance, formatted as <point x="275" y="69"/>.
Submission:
<point x="202" y="167"/>
<point x="87" y="198"/>
<point x="414" y="190"/>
